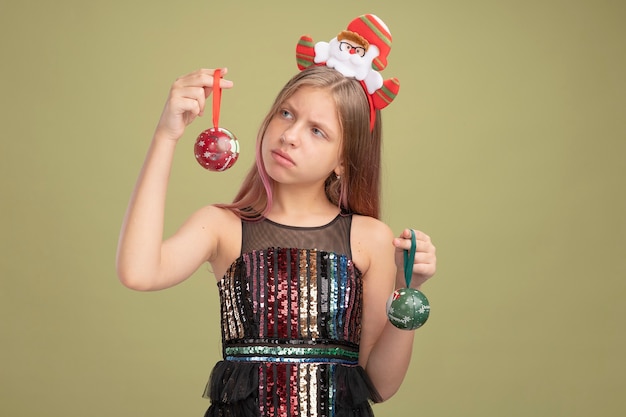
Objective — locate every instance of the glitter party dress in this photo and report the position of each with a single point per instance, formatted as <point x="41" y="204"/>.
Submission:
<point x="291" y="324"/>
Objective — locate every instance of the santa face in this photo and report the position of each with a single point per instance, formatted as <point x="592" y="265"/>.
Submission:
<point x="351" y="58"/>
<point x="352" y="48"/>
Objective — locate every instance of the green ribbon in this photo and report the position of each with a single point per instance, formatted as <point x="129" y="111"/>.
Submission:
<point x="409" y="259"/>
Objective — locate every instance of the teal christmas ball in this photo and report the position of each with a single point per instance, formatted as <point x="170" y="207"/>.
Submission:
<point x="408" y="308"/>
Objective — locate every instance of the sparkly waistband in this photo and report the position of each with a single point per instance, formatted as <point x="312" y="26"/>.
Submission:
<point x="293" y="354"/>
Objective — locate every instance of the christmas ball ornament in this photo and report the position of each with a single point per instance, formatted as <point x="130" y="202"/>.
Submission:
<point x="216" y="149"/>
<point x="408" y="309"/>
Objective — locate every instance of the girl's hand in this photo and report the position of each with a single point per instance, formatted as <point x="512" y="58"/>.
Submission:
<point x="186" y="101"/>
<point x="425" y="263"/>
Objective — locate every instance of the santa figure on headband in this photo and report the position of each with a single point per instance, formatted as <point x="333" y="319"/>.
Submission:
<point x="360" y="52"/>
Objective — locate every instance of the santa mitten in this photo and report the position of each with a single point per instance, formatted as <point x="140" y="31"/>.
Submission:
<point x="386" y="94"/>
<point x="305" y="52"/>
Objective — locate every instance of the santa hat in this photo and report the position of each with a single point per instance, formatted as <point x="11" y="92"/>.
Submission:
<point x="375" y="31"/>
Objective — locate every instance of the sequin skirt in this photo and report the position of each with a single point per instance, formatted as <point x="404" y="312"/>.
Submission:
<point x="241" y="386"/>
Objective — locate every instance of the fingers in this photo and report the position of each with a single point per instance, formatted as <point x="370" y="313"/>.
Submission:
<point x="425" y="262"/>
<point x="187" y="100"/>
<point x="422" y="241"/>
<point x="204" y="77"/>
<point x="197" y="86"/>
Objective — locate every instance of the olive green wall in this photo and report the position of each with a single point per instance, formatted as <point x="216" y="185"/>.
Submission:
<point x="507" y="144"/>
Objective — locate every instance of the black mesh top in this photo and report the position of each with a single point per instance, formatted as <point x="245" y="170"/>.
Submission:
<point x="329" y="238"/>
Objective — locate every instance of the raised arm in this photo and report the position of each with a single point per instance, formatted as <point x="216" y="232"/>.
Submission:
<point x="144" y="261"/>
<point x="385" y="351"/>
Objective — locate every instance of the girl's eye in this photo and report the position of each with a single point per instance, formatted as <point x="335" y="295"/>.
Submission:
<point x="286" y="114"/>
<point x="318" y="132"/>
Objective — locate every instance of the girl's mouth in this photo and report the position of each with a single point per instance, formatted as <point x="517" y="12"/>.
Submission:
<point x="282" y="158"/>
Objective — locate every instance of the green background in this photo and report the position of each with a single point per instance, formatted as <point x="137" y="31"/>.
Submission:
<point x="507" y="144"/>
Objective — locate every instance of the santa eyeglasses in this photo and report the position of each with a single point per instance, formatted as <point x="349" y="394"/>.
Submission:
<point x="347" y="47"/>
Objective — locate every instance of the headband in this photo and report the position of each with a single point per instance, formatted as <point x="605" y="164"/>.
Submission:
<point x="360" y="51"/>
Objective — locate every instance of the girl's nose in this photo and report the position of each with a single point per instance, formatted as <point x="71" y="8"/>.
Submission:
<point x="290" y="136"/>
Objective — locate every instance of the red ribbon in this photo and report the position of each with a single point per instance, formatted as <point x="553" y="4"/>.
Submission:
<point x="217" y="97"/>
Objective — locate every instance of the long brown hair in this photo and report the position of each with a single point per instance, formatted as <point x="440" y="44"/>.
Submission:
<point x="358" y="189"/>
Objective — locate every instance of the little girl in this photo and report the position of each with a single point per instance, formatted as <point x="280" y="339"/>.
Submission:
<point x="303" y="265"/>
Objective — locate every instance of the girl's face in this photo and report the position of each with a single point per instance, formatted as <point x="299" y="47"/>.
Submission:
<point x="302" y="143"/>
